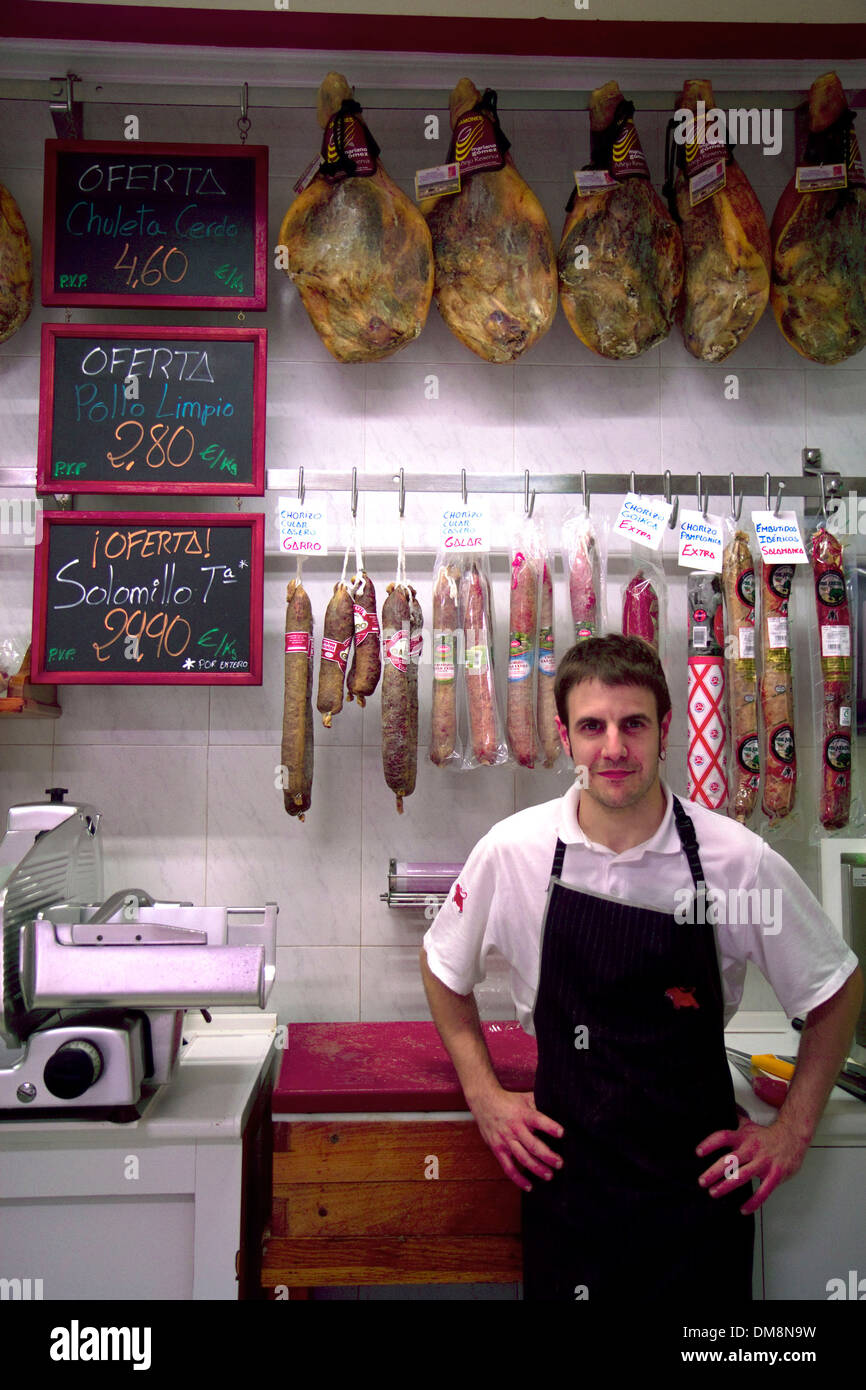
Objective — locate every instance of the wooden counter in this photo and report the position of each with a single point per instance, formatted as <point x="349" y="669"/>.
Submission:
<point x="380" y="1174"/>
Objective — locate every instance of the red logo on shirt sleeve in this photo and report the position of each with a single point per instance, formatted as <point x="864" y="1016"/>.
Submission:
<point x="459" y="897"/>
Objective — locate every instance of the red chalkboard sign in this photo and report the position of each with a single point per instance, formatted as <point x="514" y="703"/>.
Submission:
<point x="144" y="410"/>
<point x="156" y="226"/>
<point x="150" y="597"/>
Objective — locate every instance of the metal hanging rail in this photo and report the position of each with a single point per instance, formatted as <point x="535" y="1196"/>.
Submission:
<point x="296" y="481"/>
<point x="379" y="97"/>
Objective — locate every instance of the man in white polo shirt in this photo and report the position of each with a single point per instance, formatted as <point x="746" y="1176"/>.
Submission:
<point x="627" y="919"/>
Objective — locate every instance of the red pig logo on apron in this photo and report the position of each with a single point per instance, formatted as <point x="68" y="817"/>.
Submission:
<point x="682" y="998"/>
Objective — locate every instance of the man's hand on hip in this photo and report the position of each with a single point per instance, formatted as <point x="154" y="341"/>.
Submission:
<point x="772" y="1153"/>
<point x="507" y="1121"/>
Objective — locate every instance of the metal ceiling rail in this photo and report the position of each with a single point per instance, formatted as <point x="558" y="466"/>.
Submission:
<point x="293" y="480"/>
<point x="264" y="95"/>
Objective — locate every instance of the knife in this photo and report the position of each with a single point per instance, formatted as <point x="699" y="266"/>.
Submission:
<point x="851" y="1078"/>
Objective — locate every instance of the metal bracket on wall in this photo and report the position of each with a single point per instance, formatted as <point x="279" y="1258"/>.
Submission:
<point x="67" y="113"/>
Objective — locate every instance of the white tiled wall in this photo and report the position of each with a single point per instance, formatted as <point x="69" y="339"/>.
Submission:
<point x="186" y="777"/>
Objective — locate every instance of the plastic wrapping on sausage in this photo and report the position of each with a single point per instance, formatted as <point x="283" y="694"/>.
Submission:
<point x="526" y="569"/>
<point x="834" y="702"/>
<point x="485" y="745"/>
<point x="445" y="745"/>
<point x="738" y="586"/>
<point x="778" y="748"/>
<point x="707" y="751"/>
<point x="582" y="561"/>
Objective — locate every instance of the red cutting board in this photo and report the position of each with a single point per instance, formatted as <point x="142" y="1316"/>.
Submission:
<point x="333" y="1067"/>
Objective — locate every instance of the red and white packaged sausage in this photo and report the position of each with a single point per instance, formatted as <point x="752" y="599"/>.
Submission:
<point x="524" y="597"/>
<point x="707" y="750"/>
<point x="778" y="745"/>
<point x="643" y="598"/>
<point x="550" y="751"/>
<point x="738" y="587"/>
<point x="583" y="562"/>
<point x="833" y="666"/>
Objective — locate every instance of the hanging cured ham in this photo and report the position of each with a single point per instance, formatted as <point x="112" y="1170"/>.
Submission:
<point x="725" y="239"/>
<point x="358" y="250"/>
<point x="621" y="255"/>
<point x="818" y="292"/>
<point x="495" y="258"/>
<point x="16" y="267"/>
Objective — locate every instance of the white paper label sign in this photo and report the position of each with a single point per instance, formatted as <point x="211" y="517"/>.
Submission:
<point x="303" y="527"/>
<point x="591" y="180"/>
<point x="701" y="545"/>
<point x="432" y="183"/>
<point x="466" y="528"/>
<point x="643" y="520"/>
<point x="779" y="538"/>
<point x="836" y="641"/>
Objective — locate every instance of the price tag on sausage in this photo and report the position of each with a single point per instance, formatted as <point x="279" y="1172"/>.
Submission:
<point x="303" y="527"/>
<point x="466" y="528"/>
<point x="779" y="538"/>
<point x="701" y="545"/>
<point x="643" y="520"/>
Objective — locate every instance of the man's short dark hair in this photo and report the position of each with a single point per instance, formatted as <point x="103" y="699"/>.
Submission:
<point x="613" y="660"/>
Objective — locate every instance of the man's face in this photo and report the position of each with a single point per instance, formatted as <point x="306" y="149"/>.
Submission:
<point x="613" y="732"/>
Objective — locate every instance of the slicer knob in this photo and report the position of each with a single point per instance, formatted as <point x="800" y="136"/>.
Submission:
<point x="73" y="1069"/>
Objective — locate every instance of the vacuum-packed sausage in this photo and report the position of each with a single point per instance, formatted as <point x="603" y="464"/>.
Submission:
<point x="834" y="635"/>
<point x="520" y="722"/>
<point x="738" y="584"/>
<point x="584" y="584"/>
<point x="548" y="733"/>
<point x="777" y="693"/>
<point x="297" y="744"/>
<point x="707" y="752"/>
<point x="443" y="726"/>
<point x="480" y="690"/>
<point x="640" y="610"/>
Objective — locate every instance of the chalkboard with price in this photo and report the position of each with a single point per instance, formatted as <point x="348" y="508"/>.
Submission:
<point x="151" y="597"/>
<point x="135" y="409"/>
<point x="171" y="226"/>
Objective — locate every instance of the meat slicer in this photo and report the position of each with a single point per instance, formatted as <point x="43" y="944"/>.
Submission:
<point x="93" y="993"/>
